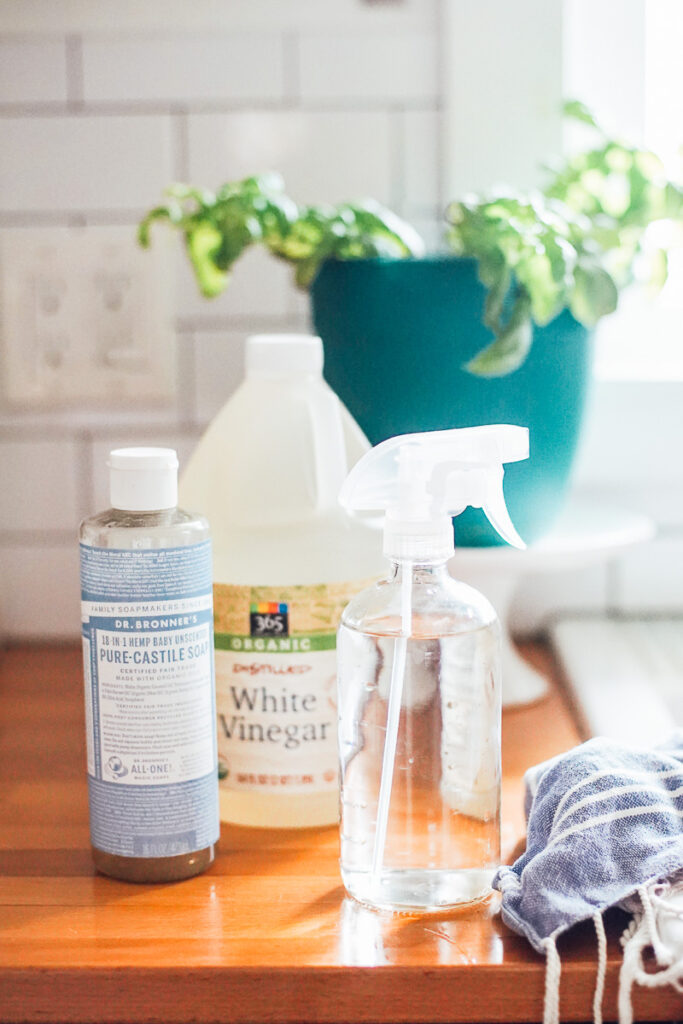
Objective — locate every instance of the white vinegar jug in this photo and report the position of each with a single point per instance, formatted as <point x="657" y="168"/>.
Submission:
<point x="287" y="559"/>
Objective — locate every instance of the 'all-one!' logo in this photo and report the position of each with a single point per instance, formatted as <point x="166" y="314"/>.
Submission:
<point x="269" y="618"/>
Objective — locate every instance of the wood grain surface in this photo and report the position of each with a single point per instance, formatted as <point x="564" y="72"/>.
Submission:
<point x="267" y="934"/>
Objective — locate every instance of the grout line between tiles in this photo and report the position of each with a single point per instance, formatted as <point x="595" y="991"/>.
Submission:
<point x="186" y="375"/>
<point x="397" y="156"/>
<point x="16" y="432"/>
<point x="291" y="68"/>
<point x="96" y="424"/>
<point x="106" y="218"/>
<point x="612" y="606"/>
<point x="237" y="323"/>
<point x="441" y="154"/>
<point x="74" y="73"/>
<point x="65" y="218"/>
<point x="157" y="108"/>
<point x="38" y="108"/>
<point x="37" y="538"/>
<point x="246" y="19"/>
<point x="85" y="487"/>
<point x="180" y="145"/>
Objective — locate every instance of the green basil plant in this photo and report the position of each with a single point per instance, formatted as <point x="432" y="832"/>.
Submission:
<point x="571" y="244"/>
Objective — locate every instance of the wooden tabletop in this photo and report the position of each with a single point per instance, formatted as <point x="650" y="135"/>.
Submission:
<point x="267" y="934"/>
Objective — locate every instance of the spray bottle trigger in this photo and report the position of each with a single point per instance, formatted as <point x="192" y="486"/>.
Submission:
<point x="497" y="514"/>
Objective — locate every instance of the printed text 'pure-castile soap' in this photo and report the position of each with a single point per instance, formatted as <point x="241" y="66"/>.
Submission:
<point x="148" y="666"/>
<point x="287" y="558"/>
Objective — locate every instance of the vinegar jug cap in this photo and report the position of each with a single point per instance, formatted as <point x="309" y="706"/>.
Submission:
<point x="143" y="479"/>
<point x="274" y="354"/>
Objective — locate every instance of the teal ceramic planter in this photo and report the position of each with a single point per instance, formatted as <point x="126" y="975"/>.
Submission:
<point x="397" y="335"/>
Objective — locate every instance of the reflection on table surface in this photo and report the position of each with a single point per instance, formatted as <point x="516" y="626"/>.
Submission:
<point x="368" y="938"/>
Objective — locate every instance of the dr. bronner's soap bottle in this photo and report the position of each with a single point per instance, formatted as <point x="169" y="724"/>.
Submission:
<point x="148" y="666"/>
<point x="287" y="558"/>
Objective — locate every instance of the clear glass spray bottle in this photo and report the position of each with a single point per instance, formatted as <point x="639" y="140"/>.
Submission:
<point x="419" y="680"/>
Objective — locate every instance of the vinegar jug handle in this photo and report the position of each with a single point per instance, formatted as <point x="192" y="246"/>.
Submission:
<point x="329" y="447"/>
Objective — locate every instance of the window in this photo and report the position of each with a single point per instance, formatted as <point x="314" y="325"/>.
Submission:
<point x="622" y="58"/>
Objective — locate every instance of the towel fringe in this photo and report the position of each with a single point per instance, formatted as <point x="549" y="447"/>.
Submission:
<point x="602" y="967"/>
<point x="553" y="971"/>
<point x="663" y="954"/>
<point x="643" y="932"/>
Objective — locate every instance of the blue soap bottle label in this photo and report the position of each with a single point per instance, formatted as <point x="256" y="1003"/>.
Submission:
<point x="147" y="626"/>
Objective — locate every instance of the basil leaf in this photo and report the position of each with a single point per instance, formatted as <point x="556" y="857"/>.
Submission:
<point x="511" y="346"/>
<point x="594" y="294"/>
<point x="203" y="242"/>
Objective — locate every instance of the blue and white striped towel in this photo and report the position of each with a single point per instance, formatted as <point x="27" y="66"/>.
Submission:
<point x="604" y="829"/>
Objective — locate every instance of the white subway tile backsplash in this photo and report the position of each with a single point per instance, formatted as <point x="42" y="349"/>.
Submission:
<point x="299" y="309"/>
<point x="39" y="485"/>
<point x="421" y="160"/>
<point x="344" y="100"/>
<point x="430" y="229"/>
<point x="629" y="431"/>
<point x="32" y="70"/>
<point x="182" y="440"/>
<point x="219" y="369"/>
<point x="183" y="68"/>
<point x="260" y="287"/>
<point x="371" y="65"/>
<point x="324" y="157"/>
<point x="82" y="162"/>
<point x="650" y="578"/>
<point x="40" y="592"/>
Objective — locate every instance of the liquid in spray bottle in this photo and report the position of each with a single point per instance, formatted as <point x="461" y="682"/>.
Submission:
<point x="419" y="679"/>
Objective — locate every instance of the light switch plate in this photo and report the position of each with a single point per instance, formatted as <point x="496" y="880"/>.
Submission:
<point x="86" y="318"/>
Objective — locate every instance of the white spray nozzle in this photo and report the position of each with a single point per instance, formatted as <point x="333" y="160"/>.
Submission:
<point x="422" y="480"/>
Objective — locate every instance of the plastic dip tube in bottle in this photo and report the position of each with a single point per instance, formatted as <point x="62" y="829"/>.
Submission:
<point x="147" y="626"/>
<point x="419" y="679"/>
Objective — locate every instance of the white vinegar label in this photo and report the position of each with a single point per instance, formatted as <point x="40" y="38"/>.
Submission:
<point x="149" y="696"/>
<point x="276" y="686"/>
<point x="276" y="722"/>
